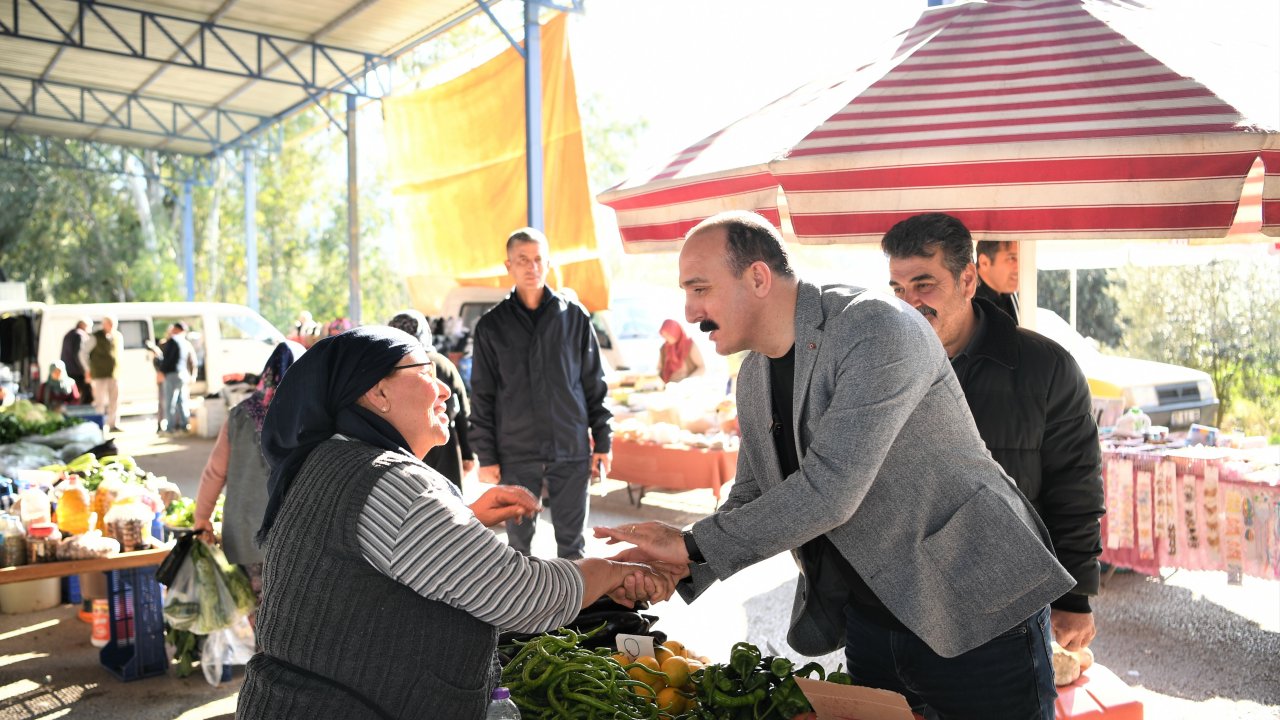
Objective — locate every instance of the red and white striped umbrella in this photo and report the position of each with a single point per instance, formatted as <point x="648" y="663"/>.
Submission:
<point x="1024" y="118"/>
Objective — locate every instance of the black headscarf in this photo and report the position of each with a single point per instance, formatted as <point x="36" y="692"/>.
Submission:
<point x="317" y="398"/>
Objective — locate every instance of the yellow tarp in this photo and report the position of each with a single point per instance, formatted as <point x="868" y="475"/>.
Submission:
<point x="457" y="163"/>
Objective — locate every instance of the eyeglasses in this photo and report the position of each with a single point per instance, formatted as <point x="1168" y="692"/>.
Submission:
<point x="430" y="367"/>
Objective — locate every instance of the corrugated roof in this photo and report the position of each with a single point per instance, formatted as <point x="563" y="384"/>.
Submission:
<point x="194" y="76"/>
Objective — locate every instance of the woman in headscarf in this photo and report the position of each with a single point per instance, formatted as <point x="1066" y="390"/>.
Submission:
<point x="236" y="466"/>
<point x="678" y="358"/>
<point x="383" y="592"/>
<point x="58" y="390"/>
<point x="454" y="458"/>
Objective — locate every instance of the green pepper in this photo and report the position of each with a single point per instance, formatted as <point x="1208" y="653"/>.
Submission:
<point x="743" y="658"/>
<point x="840" y="678"/>
<point x="780" y="667"/>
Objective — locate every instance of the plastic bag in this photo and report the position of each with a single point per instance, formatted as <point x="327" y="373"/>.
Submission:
<point x="207" y="593"/>
<point x="168" y="570"/>
<point x="226" y="647"/>
<point x="80" y="433"/>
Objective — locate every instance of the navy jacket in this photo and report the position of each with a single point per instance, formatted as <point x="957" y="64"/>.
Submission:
<point x="537" y="391"/>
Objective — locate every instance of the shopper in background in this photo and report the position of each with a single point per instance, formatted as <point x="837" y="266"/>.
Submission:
<point x="100" y="358"/>
<point x="538" y="415"/>
<point x="679" y="357"/>
<point x="858" y="454"/>
<point x="72" y="342"/>
<point x="1027" y="394"/>
<point x="58" y="390"/>
<point x="383" y="592"/>
<point x="178" y="364"/>
<point x="236" y="467"/>
<point x="454" y="458"/>
<point x="998" y="275"/>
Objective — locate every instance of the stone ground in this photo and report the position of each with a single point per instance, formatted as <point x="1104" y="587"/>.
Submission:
<point x="1190" y="646"/>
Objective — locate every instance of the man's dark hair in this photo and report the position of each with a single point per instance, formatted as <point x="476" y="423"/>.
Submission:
<point x="526" y="235"/>
<point x="750" y="238"/>
<point x="180" y="326"/>
<point x="991" y="248"/>
<point x="926" y="234"/>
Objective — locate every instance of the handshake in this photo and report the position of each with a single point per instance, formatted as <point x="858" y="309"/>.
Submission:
<point x="648" y="571"/>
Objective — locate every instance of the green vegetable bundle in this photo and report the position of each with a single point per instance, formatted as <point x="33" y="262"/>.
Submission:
<point x="754" y="686"/>
<point x="27" y="418"/>
<point x="208" y="593"/>
<point x="554" y="677"/>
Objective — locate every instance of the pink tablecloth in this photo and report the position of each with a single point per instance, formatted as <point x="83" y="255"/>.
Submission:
<point x="1172" y="509"/>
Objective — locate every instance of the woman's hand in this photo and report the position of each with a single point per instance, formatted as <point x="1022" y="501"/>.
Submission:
<point x="204" y="530"/>
<point x="625" y="582"/>
<point x="505" y="502"/>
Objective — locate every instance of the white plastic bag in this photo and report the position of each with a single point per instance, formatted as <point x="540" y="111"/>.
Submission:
<point x="226" y="647"/>
<point x="181" y="602"/>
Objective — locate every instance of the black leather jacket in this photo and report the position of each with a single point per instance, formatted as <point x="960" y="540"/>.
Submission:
<point x="1032" y="406"/>
<point x="537" y="390"/>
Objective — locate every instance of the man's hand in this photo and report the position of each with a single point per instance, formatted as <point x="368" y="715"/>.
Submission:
<point x="491" y="474"/>
<point x="505" y="502"/>
<point x="654" y="540"/>
<point x="602" y="463"/>
<point x="1073" y="631"/>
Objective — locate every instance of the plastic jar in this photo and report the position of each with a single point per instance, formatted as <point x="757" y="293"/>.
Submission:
<point x="42" y="542"/>
<point x="14" y="551"/>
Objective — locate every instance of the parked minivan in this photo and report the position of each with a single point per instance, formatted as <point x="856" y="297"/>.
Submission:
<point x="229" y="340"/>
<point x="1172" y="395"/>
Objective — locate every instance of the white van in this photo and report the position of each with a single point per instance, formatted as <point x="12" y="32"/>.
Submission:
<point x="1171" y="395"/>
<point x="229" y="340"/>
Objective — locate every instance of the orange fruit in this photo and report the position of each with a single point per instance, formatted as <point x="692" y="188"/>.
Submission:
<point x="621" y="658"/>
<point x="670" y="700"/>
<point x="661" y="654"/>
<point x="677" y="670"/>
<point x="647" y="673"/>
<point x="645" y="692"/>
<point x="676" y="647"/>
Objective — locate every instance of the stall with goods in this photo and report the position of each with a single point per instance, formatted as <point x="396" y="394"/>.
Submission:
<point x="676" y="436"/>
<point x="1206" y="501"/>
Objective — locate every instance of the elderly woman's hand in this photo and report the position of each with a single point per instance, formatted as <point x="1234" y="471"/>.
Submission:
<point x="505" y="502"/>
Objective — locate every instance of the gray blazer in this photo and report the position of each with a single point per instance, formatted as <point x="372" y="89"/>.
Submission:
<point x="893" y="471"/>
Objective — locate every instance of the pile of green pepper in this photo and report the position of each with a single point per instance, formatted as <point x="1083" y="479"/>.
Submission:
<point x="555" y="677"/>
<point x="755" y="687"/>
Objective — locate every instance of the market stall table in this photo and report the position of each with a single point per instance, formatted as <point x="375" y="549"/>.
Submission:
<point x="1193" y="508"/>
<point x="672" y="467"/>
<point x="136" y="648"/>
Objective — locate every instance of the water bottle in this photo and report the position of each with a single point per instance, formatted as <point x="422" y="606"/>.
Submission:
<point x="501" y="707"/>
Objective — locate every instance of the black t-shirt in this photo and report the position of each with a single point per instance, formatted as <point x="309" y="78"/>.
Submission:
<point x="823" y="562"/>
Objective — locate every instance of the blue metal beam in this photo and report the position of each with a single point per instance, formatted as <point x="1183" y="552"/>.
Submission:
<point x="171" y="40"/>
<point x="533" y="112"/>
<point x="111" y="110"/>
<point x="251" y="227"/>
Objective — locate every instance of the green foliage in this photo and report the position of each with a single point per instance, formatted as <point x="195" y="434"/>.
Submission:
<point x="1096" y="311"/>
<point x="1222" y="318"/>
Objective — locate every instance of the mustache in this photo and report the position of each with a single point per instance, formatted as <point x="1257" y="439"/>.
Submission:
<point x="707" y="326"/>
<point x="927" y="311"/>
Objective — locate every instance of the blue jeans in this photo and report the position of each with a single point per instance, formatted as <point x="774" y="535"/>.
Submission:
<point x="566" y="484"/>
<point x="1010" y="677"/>
<point x="175" y="401"/>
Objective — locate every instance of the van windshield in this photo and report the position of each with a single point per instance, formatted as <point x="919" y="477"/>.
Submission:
<point x="248" y="327"/>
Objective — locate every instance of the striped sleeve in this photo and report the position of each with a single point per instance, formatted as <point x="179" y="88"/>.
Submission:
<point x="415" y="529"/>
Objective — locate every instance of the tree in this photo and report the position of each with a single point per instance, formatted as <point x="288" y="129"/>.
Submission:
<point x="1096" y="313"/>
<point x="1222" y="318"/>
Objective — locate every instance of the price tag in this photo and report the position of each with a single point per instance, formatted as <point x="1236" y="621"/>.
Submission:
<point x="635" y="645"/>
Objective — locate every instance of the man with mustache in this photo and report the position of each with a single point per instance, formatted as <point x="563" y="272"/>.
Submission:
<point x="538" y="418"/>
<point x="917" y="553"/>
<point x="1029" y="398"/>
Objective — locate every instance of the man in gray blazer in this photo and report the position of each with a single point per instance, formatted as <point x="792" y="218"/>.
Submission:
<point x="859" y="456"/>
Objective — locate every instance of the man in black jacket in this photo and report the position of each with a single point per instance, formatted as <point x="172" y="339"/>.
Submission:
<point x="537" y="403"/>
<point x="1028" y="396"/>
<point x="998" y="275"/>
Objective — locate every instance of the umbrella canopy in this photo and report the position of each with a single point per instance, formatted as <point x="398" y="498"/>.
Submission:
<point x="1024" y="118"/>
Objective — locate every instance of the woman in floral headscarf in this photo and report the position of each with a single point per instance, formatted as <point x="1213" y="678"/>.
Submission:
<point x="236" y="464"/>
<point x="59" y="390"/>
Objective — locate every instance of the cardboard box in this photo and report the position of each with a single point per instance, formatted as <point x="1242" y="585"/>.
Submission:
<point x="853" y="702"/>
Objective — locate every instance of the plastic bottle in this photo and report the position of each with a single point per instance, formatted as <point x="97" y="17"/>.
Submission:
<point x="501" y="707"/>
<point x="73" y="507"/>
<point x="101" y="634"/>
<point x="42" y="542"/>
<point x="33" y="506"/>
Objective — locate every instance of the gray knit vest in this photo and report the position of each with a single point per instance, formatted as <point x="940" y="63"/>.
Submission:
<point x="338" y="638"/>
<point x="246" y="489"/>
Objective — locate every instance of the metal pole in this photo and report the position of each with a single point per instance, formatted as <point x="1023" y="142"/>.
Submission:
<point x="251" y="226"/>
<point x="188" y="241"/>
<point x="1074" y="324"/>
<point x="533" y="112"/>
<point x="353" y="216"/>
<point x="1028" y="288"/>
